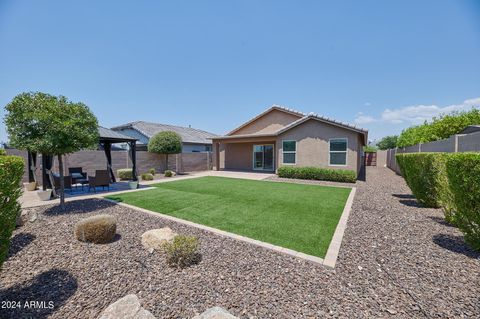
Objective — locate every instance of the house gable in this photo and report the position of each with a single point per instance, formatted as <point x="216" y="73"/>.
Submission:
<point x="268" y="122"/>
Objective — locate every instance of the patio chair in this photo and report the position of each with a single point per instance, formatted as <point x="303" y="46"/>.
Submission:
<point x="101" y="178"/>
<point x="77" y="173"/>
<point x="67" y="182"/>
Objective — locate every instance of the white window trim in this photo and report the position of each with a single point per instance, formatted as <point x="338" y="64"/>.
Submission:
<point x="289" y="152"/>
<point x="330" y="152"/>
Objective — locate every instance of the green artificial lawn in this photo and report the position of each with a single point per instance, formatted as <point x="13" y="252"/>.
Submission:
<point x="299" y="217"/>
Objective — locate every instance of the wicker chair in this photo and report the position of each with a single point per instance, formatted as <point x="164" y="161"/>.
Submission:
<point x="67" y="182"/>
<point x="101" y="178"/>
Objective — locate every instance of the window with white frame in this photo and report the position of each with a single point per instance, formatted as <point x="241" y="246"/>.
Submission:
<point x="289" y="152"/>
<point x="338" y="151"/>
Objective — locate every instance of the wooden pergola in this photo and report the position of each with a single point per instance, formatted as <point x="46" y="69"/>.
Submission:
<point x="107" y="137"/>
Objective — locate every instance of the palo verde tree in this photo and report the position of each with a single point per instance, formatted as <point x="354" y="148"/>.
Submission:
<point x="51" y="125"/>
<point x="166" y="142"/>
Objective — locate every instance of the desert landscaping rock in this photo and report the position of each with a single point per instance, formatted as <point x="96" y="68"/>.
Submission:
<point x="215" y="313"/>
<point x="128" y="307"/>
<point x="397" y="260"/>
<point x="154" y="239"/>
<point x="99" y="229"/>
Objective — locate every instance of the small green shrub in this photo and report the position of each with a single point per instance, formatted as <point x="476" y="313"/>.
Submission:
<point x="147" y="177"/>
<point x="182" y="251"/>
<point x="11" y="173"/>
<point x="168" y="173"/>
<point x="316" y="173"/>
<point x="3" y="152"/>
<point x="463" y="171"/>
<point x="125" y="173"/>
<point x="425" y="174"/>
<point x="152" y="171"/>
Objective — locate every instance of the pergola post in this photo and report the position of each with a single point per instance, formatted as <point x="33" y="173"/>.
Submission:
<point x="133" y="157"/>
<point x="107" y="147"/>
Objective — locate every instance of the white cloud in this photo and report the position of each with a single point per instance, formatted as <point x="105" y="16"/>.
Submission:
<point x="415" y="114"/>
<point x="367" y="103"/>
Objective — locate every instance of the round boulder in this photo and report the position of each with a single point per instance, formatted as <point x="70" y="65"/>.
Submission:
<point x="99" y="229"/>
<point x="154" y="239"/>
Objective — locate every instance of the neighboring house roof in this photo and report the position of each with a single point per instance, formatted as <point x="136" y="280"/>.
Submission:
<point x="188" y="134"/>
<point x="107" y="134"/>
<point x="302" y="118"/>
<point x="470" y="129"/>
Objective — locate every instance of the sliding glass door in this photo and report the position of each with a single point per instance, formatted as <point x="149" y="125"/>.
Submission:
<point x="263" y="157"/>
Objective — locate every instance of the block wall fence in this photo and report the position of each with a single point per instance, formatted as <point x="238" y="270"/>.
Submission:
<point x="453" y="144"/>
<point x="93" y="160"/>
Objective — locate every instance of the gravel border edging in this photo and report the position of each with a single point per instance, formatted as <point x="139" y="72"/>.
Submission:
<point x="336" y="242"/>
<point x="333" y="248"/>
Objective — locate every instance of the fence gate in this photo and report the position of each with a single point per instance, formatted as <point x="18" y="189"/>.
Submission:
<point x="370" y="158"/>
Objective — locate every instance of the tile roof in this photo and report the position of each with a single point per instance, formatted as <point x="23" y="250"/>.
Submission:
<point x="188" y="134"/>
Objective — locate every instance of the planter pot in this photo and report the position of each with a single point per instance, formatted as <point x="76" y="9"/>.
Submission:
<point x="30" y="186"/>
<point x="133" y="185"/>
<point x="45" y="195"/>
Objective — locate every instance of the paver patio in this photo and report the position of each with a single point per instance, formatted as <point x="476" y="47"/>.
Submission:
<point x="397" y="260"/>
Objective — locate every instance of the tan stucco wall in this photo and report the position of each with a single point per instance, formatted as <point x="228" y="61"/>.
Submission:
<point x="269" y="123"/>
<point x="313" y="148"/>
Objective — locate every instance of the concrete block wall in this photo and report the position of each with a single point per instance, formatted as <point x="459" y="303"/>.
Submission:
<point x="91" y="160"/>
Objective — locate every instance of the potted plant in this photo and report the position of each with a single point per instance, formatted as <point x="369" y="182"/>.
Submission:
<point x="133" y="184"/>
<point x="30" y="186"/>
<point x="45" y="195"/>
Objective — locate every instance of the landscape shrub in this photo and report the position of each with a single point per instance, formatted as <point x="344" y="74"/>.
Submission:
<point x="425" y="174"/>
<point x="147" y="177"/>
<point x="168" y="173"/>
<point x="182" y="251"/>
<point x="463" y="171"/>
<point x="316" y="173"/>
<point x="99" y="229"/>
<point x="152" y="171"/>
<point x="11" y="173"/>
<point x="2" y="152"/>
<point x="125" y="173"/>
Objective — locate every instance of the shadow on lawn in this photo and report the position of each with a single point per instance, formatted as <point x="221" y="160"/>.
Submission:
<point x="455" y="244"/>
<point x="20" y="241"/>
<point x="41" y="296"/>
<point x="79" y="207"/>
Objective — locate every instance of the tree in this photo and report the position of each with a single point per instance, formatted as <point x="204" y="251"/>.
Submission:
<point x="387" y="142"/>
<point x="50" y="125"/>
<point x="166" y="142"/>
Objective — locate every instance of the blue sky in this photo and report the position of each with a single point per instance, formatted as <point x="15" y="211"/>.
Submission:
<point x="384" y="65"/>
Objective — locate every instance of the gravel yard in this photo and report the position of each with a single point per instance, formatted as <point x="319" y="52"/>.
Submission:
<point x="397" y="260"/>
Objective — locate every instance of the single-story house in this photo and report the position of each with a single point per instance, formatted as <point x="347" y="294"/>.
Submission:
<point x="193" y="140"/>
<point x="281" y="136"/>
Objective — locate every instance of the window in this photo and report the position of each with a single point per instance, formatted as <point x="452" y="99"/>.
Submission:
<point x="289" y="152"/>
<point x="338" y="151"/>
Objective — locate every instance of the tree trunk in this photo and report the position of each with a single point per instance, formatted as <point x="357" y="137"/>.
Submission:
<point x="166" y="164"/>
<point x="62" y="182"/>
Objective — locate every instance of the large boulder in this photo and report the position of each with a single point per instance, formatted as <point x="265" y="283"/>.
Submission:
<point x="154" y="239"/>
<point x="127" y="307"/>
<point x="99" y="229"/>
<point x="215" y="313"/>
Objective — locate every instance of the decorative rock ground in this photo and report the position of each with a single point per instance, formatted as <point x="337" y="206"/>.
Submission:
<point x="155" y="238"/>
<point x="99" y="229"/>
<point x="215" y="313"/>
<point x="127" y="307"/>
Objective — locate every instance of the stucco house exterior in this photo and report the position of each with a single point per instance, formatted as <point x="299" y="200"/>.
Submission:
<point x="281" y="136"/>
<point x="193" y="140"/>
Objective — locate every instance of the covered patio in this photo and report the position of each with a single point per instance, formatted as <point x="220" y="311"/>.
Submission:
<point x="243" y="153"/>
